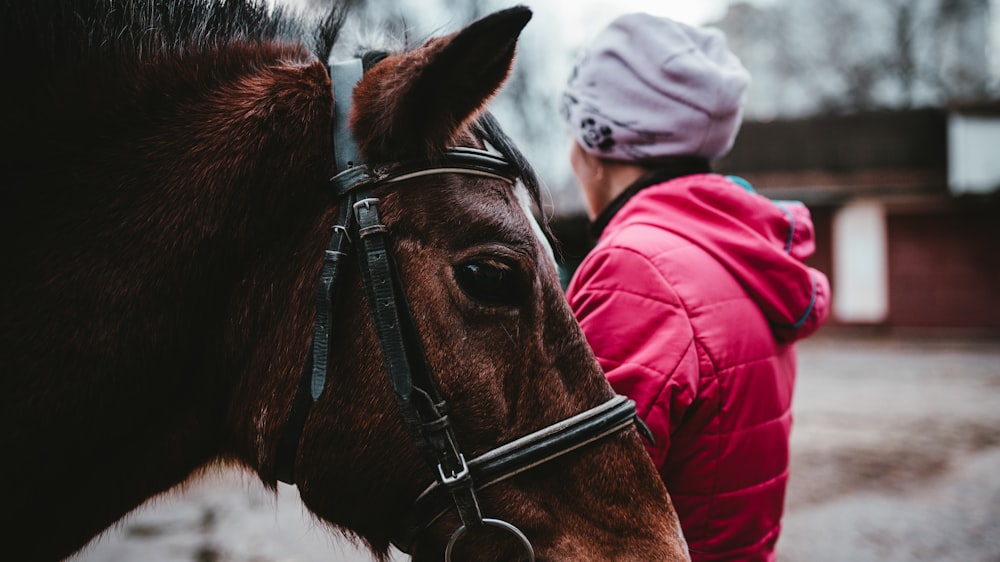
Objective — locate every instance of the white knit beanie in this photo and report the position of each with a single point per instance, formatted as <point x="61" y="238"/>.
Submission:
<point x="650" y="87"/>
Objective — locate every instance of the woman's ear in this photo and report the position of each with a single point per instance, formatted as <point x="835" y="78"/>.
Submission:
<point x="587" y="167"/>
<point x="597" y="166"/>
<point x="591" y="176"/>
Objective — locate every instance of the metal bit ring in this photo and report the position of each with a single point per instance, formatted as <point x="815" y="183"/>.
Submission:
<point x="493" y="523"/>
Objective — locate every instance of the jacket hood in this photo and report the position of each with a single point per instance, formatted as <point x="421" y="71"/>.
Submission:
<point x="762" y="243"/>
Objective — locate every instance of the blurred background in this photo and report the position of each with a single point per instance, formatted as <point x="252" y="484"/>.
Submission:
<point x="884" y="117"/>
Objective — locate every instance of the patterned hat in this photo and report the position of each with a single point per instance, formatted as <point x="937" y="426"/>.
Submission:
<point x="650" y="87"/>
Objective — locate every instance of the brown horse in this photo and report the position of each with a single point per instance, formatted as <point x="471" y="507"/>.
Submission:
<point x="166" y="203"/>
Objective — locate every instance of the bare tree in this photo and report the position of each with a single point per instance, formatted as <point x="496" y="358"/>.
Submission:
<point x="855" y="55"/>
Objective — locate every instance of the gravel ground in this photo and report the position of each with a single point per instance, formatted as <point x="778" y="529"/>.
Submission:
<point x="896" y="457"/>
<point x="896" y="453"/>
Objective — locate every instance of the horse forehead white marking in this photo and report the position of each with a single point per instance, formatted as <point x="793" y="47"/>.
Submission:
<point x="524" y="198"/>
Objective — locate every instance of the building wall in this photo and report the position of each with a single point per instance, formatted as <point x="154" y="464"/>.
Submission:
<point x="822" y="258"/>
<point x="942" y="263"/>
<point x="944" y="267"/>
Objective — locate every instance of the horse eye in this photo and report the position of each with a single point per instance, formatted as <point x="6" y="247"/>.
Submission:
<point x="490" y="283"/>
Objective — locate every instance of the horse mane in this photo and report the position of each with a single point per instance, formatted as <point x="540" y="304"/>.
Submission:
<point x="41" y="38"/>
<point x="55" y="32"/>
<point x="487" y="128"/>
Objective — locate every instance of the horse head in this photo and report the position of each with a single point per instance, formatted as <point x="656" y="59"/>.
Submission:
<point x="187" y="228"/>
<point x="497" y="336"/>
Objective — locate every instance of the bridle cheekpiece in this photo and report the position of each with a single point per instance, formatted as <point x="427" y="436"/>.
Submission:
<point x="424" y="411"/>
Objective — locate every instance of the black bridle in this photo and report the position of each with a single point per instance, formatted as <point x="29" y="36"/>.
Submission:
<point x="423" y="409"/>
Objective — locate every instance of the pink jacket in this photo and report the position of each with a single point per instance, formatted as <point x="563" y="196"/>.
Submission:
<point x="691" y="301"/>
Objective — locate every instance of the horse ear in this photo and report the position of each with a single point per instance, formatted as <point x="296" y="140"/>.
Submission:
<point x="415" y="103"/>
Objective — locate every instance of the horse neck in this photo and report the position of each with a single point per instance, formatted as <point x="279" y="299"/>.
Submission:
<point x="152" y="204"/>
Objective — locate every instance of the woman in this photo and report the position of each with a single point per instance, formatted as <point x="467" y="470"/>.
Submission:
<point x="695" y="293"/>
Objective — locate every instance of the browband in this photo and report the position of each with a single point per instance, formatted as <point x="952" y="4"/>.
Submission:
<point x="456" y="160"/>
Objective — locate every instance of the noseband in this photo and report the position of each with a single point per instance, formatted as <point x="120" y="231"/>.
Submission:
<point x="423" y="409"/>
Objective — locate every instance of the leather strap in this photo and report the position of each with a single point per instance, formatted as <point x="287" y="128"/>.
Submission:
<point x="334" y="255"/>
<point x="420" y="407"/>
<point x="420" y="404"/>
<point x="313" y="380"/>
<point x="456" y="160"/>
<point x="344" y="76"/>
<point x="518" y="456"/>
<point x="291" y="432"/>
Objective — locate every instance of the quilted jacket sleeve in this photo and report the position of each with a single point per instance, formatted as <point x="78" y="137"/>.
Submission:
<point x="641" y="336"/>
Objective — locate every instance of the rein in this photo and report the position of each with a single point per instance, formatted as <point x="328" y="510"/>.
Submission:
<point x="424" y="411"/>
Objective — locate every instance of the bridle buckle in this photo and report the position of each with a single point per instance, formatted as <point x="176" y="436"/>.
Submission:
<point x="456" y="478"/>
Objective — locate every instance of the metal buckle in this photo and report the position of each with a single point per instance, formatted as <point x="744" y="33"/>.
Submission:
<point x="342" y="230"/>
<point x="454" y="479"/>
<point x="366" y="203"/>
<point x="370" y="223"/>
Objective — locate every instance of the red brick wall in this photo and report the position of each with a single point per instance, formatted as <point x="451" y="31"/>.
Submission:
<point x="944" y="263"/>
<point x="944" y="267"/>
